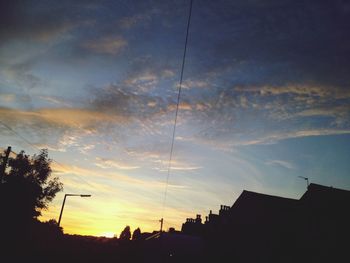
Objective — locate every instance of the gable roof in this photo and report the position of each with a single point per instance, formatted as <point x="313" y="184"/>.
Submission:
<point x="251" y="207"/>
<point x="248" y="198"/>
<point x="316" y="190"/>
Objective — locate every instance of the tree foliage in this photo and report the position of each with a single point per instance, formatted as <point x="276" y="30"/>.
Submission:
<point x="125" y="234"/>
<point x="136" y="235"/>
<point x="28" y="185"/>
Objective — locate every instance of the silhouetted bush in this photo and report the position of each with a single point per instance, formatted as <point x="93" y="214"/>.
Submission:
<point x="136" y="235"/>
<point x="125" y="234"/>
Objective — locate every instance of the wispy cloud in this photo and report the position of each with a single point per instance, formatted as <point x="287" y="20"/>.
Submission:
<point x="69" y="117"/>
<point x="305" y="89"/>
<point x="50" y="147"/>
<point x="275" y="137"/>
<point x="143" y="82"/>
<point x="86" y="148"/>
<point x="109" y="163"/>
<point x="54" y="100"/>
<point x="334" y="111"/>
<point x="188" y="84"/>
<point x="106" y="45"/>
<point x="134" y="20"/>
<point x="185" y="106"/>
<point x="283" y="163"/>
<point x="88" y="176"/>
<point x="178" y="166"/>
<point x="186" y="168"/>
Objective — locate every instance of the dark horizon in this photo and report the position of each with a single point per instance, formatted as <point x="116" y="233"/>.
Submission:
<point x="312" y="228"/>
<point x="264" y="102"/>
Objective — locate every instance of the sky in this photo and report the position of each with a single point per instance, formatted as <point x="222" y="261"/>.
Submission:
<point x="265" y="98"/>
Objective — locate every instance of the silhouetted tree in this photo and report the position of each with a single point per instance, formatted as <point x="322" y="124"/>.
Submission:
<point x="52" y="226"/>
<point x="28" y="187"/>
<point x="125" y="234"/>
<point x="46" y="231"/>
<point x="136" y="235"/>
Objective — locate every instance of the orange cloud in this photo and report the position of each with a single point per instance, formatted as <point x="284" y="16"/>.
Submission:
<point x="69" y="117"/>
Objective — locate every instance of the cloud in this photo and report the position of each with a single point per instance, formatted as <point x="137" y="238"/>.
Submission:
<point x="50" y="147"/>
<point x="275" y="137"/>
<point x="55" y="100"/>
<point x="186" y="168"/>
<point x="227" y="139"/>
<point x="201" y="106"/>
<point x="59" y="128"/>
<point x="178" y="166"/>
<point x="66" y="117"/>
<point x="134" y="20"/>
<point x="188" y="84"/>
<point x="120" y="100"/>
<point x="76" y="118"/>
<point x="19" y="73"/>
<point x="106" y="45"/>
<point x="334" y="111"/>
<point x="8" y="98"/>
<point x="185" y="106"/>
<point x="294" y="45"/>
<point x="109" y="163"/>
<point x="22" y="21"/>
<point x="237" y="87"/>
<point x="85" y="149"/>
<point x="282" y="163"/>
<point x="64" y="141"/>
<point x="145" y="74"/>
<point x="11" y="99"/>
<point x="143" y="82"/>
<point x="298" y="90"/>
<point x="167" y="73"/>
<point x="88" y="178"/>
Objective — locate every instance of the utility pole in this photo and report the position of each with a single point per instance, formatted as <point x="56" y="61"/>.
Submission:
<point x="64" y="201"/>
<point x="4" y="163"/>
<point x="161" y="225"/>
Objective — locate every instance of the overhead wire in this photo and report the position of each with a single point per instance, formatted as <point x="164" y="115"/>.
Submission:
<point x="174" y="126"/>
<point x="177" y="108"/>
<point x="38" y="149"/>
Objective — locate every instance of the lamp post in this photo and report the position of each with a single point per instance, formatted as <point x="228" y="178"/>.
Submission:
<point x="64" y="201"/>
<point x="306" y="179"/>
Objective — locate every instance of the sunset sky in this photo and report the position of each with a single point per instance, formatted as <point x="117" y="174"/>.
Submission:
<point x="265" y="99"/>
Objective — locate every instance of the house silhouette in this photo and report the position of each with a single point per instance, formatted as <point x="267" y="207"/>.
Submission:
<point x="265" y="228"/>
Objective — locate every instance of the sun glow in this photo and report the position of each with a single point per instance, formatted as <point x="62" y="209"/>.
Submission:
<point x="108" y="234"/>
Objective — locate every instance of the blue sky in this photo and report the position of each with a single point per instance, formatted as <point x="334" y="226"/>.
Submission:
<point x="265" y="99"/>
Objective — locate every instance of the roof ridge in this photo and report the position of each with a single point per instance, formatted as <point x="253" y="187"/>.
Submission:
<point x="268" y="195"/>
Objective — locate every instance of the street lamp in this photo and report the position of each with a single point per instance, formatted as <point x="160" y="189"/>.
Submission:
<point x="306" y="179"/>
<point x="64" y="201"/>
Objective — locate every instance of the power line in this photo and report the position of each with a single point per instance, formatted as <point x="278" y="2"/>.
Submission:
<point x="20" y="136"/>
<point x="38" y="149"/>
<point x="177" y="107"/>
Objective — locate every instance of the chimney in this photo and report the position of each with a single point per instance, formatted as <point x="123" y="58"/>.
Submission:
<point x="198" y="219"/>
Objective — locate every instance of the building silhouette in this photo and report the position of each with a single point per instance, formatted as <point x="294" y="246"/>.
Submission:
<point x="266" y="228"/>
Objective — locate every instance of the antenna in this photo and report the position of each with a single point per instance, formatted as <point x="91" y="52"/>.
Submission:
<point x="306" y="179"/>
